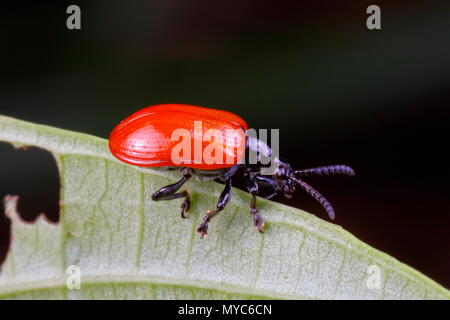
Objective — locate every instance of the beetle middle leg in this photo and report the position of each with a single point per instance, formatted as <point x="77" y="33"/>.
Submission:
<point x="169" y="193"/>
<point x="224" y="198"/>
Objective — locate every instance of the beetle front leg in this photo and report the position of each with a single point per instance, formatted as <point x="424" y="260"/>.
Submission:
<point x="224" y="198"/>
<point x="168" y="193"/>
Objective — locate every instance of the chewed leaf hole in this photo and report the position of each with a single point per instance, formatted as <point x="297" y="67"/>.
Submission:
<point x="32" y="174"/>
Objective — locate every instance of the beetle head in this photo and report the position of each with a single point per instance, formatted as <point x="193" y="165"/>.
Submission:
<point x="285" y="179"/>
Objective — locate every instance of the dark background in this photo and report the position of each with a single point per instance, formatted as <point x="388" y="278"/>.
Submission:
<point x="339" y="93"/>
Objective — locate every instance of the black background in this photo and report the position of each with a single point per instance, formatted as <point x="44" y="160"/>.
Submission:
<point x="339" y="93"/>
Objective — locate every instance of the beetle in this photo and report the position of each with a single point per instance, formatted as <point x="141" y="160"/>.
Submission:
<point x="145" y="139"/>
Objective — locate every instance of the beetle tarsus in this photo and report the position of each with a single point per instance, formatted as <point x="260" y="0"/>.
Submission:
<point x="185" y="206"/>
<point x="258" y="222"/>
<point x="202" y="229"/>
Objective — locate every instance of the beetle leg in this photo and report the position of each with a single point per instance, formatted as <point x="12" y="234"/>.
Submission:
<point x="252" y="188"/>
<point x="224" y="198"/>
<point x="168" y="193"/>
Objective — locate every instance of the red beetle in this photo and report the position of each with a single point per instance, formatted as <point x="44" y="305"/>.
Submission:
<point x="150" y="138"/>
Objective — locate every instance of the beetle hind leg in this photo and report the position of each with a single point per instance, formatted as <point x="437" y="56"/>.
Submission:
<point x="169" y="193"/>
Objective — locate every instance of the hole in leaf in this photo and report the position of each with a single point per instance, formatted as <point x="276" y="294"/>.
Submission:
<point x="32" y="174"/>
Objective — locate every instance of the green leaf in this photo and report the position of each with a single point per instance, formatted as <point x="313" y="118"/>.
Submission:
<point x="128" y="246"/>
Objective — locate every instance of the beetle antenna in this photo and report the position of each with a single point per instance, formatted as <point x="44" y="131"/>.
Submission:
<point x="326" y="170"/>
<point x="318" y="196"/>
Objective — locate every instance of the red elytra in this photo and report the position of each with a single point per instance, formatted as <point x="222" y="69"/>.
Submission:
<point x="145" y="138"/>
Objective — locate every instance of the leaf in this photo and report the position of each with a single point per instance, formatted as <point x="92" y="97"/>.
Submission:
<point x="129" y="247"/>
